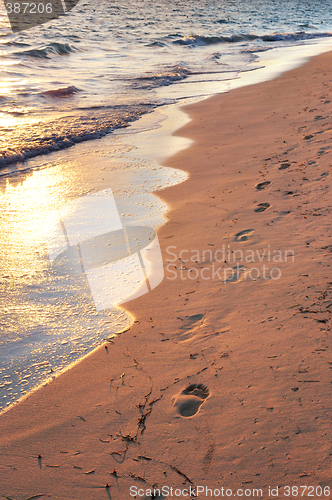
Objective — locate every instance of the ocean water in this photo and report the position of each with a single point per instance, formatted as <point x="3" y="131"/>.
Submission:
<point x="111" y="56"/>
<point x="93" y="74"/>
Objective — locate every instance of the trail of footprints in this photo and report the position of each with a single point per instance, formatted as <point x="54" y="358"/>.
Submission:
<point x="262" y="206"/>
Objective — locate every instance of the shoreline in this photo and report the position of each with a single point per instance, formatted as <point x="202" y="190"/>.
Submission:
<point x="231" y="347"/>
<point x="279" y="60"/>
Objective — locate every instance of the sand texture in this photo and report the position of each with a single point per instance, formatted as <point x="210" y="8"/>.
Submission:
<point x="222" y="380"/>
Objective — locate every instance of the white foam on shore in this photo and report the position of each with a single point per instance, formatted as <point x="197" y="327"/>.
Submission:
<point x="275" y="62"/>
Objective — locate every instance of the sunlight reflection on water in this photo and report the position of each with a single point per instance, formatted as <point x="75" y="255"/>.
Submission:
<point x="49" y="321"/>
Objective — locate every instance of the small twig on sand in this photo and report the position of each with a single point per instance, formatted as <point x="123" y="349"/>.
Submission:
<point x="181" y="473"/>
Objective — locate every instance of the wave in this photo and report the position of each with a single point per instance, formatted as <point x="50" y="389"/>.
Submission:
<point x="299" y="35"/>
<point x="61" y="92"/>
<point x="170" y="75"/>
<point x="224" y="21"/>
<point x="46" y="137"/>
<point x="199" y="40"/>
<point x="156" y="44"/>
<point x="13" y="113"/>
<point x="54" y="48"/>
<point x="196" y="40"/>
<point x="11" y="43"/>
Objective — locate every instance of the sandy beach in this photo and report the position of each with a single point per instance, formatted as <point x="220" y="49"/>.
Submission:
<point x="224" y="379"/>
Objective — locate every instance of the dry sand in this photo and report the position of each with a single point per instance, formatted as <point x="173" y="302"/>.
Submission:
<point x="258" y="349"/>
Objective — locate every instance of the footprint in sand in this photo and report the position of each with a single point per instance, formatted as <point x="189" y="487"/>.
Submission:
<point x="262" y="185"/>
<point x="188" y="401"/>
<point x="190" y="327"/>
<point x="190" y="321"/>
<point x="243" y="235"/>
<point x="281" y="215"/>
<point x="322" y="176"/>
<point x="262" y="207"/>
<point x="284" y="166"/>
<point x="236" y="274"/>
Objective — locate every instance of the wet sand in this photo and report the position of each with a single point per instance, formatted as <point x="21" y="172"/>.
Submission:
<point x="224" y="378"/>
